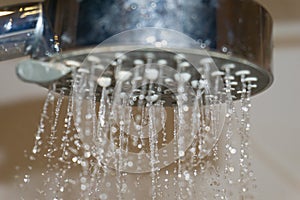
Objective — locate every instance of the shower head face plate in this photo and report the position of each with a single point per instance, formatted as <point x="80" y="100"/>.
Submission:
<point x="103" y="62"/>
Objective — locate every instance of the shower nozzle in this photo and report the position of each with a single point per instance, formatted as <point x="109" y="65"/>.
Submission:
<point x="61" y="35"/>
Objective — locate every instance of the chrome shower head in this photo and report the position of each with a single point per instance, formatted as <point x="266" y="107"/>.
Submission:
<point x="168" y="53"/>
<point x="234" y="35"/>
<point x="151" y="86"/>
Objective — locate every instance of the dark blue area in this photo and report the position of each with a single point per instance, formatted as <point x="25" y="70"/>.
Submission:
<point x="101" y="19"/>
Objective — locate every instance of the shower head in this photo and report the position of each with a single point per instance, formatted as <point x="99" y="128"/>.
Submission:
<point x="151" y="86"/>
<point x="226" y="36"/>
<point x="190" y="55"/>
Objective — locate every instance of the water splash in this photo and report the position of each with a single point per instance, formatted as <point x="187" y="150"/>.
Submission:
<point x="153" y="133"/>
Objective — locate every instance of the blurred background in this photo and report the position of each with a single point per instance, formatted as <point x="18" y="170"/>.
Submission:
<point x="275" y="114"/>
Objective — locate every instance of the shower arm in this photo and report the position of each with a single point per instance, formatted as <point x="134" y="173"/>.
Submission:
<point x="24" y="31"/>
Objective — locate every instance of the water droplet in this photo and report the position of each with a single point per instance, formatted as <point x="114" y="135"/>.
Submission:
<point x="181" y="153"/>
<point x="141" y="97"/>
<point x="31" y="158"/>
<point x="133" y="6"/>
<point x="244" y="108"/>
<point x="88" y="116"/>
<point x="130" y="164"/>
<point x="187" y="176"/>
<point x="83" y="187"/>
<point x="83" y="180"/>
<point x="26" y="178"/>
<point x="87" y="154"/>
<point x="233" y="151"/>
<point x="207" y="128"/>
<point x="224" y="49"/>
<point x="34" y="150"/>
<point x="185" y="108"/>
<point x="74" y="159"/>
<point x="251" y="173"/>
<point x="86" y="147"/>
<point x="103" y="196"/>
<point x="114" y="129"/>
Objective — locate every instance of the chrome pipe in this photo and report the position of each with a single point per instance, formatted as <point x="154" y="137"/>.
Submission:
<point x="24" y="30"/>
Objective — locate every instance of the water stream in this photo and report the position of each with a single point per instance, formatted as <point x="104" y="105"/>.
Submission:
<point x="131" y="143"/>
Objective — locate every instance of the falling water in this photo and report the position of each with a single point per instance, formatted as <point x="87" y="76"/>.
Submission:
<point x="152" y="132"/>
